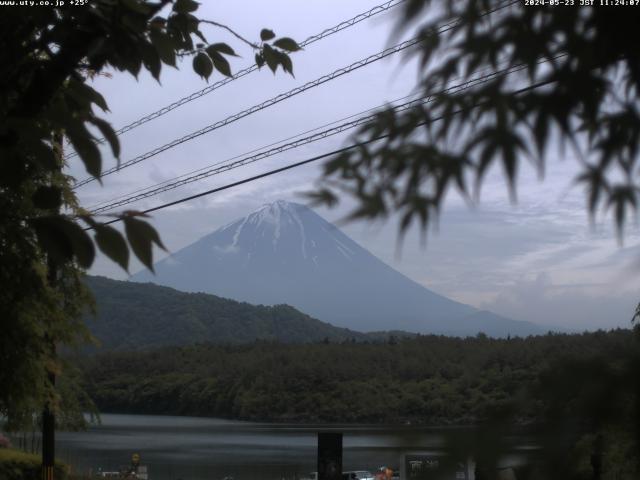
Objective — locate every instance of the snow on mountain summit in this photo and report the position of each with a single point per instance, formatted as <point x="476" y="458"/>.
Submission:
<point x="284" y="252"/>
<point x="281" y="226"/>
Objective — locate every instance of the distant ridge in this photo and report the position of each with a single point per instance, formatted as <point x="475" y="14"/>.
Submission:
<point x="136" y="316"/>
<point x="284" y="253"/>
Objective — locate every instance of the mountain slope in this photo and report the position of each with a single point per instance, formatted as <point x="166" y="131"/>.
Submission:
<point x="286" y="253"/>
<point x="133" y="316"/>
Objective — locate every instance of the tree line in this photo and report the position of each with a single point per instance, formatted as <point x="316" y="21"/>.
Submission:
<point x="429" y="379"/>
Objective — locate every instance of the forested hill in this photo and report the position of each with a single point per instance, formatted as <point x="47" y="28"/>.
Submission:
<point x="428" y="379"/>
<point x="133" y="316"/>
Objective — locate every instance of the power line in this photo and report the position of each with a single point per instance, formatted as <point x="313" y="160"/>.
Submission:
<point x="246" y="71"/>
<point x="146" y="190"/>
<point x="261" y="152"/>
<point x="295" y="141"/>
<point x="261" y="106"/>
<point x="307" y="161"/>
<point x="258" y="150"/>
<point x="279" y="98"/>
<point x="247" y="180"/>
<point x="224" y="166"/>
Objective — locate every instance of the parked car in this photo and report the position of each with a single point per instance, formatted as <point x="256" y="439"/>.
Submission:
<point x="358" y="475"/>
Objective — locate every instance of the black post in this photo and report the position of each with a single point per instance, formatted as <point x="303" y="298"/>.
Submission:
<point x="48" y="437"/>
<point x="596" y="457"/>
<point x="48" y="416"/>
<point x="329" y="456"/>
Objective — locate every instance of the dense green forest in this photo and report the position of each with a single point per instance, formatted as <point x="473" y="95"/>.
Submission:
<point x="425" y="380"/>
<point x="133" y="316"/>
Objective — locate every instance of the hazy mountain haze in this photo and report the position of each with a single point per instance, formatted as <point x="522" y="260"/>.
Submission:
<point x="286" y="253"/>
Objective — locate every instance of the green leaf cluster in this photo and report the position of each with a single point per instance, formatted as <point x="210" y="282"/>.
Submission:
<point x="17" y="465"/>
<point x="575" y="94"/>
<point x="48" y="103"/>
<point x="278" y="56"/>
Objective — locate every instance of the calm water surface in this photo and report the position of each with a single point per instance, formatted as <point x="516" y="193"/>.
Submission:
<point x="190" y="448"/>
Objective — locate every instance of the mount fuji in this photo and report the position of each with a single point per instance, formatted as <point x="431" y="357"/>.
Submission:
<point x="284" y="253"/>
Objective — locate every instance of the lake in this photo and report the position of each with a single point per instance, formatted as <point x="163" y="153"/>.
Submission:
<point x="190" y="448"/>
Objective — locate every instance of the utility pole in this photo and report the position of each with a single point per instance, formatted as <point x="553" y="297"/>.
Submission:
<point x="596" y="456"/>
<point x="329" y="456"/>
<point x="48" y="415"/>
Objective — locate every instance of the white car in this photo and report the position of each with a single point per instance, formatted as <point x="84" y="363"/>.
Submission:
<point x="358" y="475"/>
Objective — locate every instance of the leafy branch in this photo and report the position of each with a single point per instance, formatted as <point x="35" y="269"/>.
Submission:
<point x="588" y="97"/>
<point x="253" y="45"/>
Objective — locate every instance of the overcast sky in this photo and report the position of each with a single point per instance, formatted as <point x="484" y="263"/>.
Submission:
<point x="538" y="260"/>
